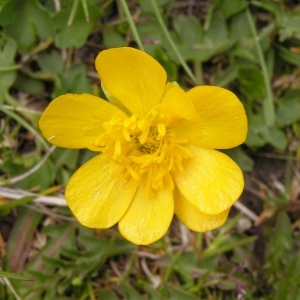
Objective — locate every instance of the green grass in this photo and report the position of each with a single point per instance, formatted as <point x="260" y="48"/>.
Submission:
<point x="47" y="48"/>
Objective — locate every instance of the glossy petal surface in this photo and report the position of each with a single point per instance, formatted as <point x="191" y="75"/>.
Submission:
<point x="193" y="218"/>
<point x="148" y="217"/>
<point x="223" y="122"/>
<point x="211" y="181"/>
<point x="176" y="103"/>
<point x="96" y="196"/>
<point x="75" y="121"/>
<point x="132" y="77"/>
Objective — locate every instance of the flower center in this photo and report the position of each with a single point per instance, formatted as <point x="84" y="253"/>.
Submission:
<point x="144" y="148"/>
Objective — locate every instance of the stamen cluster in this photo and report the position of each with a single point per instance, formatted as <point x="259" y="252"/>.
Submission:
<point x="144" y="147"/>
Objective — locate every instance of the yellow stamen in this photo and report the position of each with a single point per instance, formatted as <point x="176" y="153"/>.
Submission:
<point x="144" y="147"/>
<point x="161" y="129"/>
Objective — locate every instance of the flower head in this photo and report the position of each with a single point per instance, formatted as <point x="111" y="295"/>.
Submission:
<point x="156" y="149"/>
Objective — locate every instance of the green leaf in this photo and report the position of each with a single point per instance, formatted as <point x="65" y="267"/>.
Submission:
<point x="241" y="158"/>
<point x="190" y="262"/>
<point x="65" y="161"/>
<point x="228" y="8"/>
<point x="189" y="39"/>
<point x="217" y="34"/>
<point x="175" y="293"/>
<point x="288" y="56"/>
<point x="281" y="240"/>
<point x="245" y="46"/>
<point x="162" y="57"/>
<point x="8" y="49"/>
<point x="76" y="34"/>
<point x="254" y="135"/>
<point x="130" y="293"/>
<point x="41" y="179"/>
<point x="65" y="157"/>
<point x="276" y="138"/>
<point x="259" y="134"/>
<point x="21" y="236"/>
<point x="252" y="82"/>
<point x="28" y="84"/>
<point x="50" y="62"/>
<point x="227" y="76"/>
<point x="14" y="276"/>
<point x="269" y="6"/>
<point x="24" y="21"/>
<point x="288" y="286"/>
<point x="112" y="38"/>
<point x="146" y="6"/>
<point x="15" y="203"/>
<point x="152" y="37"/>
<point x="152" y="293"/>
<point x="239" y="26"/>
<point x="108" y="295"/>
<point x="254" y="140"/>
<point x="288" y="110"/>
<point x="289" y="24"/>
<point x="222" y="244"/>
<point x="195" y="43"/>
<point x="73" y="80"/>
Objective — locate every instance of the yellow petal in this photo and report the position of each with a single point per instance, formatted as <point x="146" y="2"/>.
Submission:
<point x="75" y="121"/>
<point x="178" y="105"/>
<point x="211" y="181"/>
<point x="132" y="77"/>
<point x="114" y="101"/>
<point x="148" y="216"/>
<point x="193" y="218"/>
<point x="96" y="196"/>
<point x="223" y="122"/>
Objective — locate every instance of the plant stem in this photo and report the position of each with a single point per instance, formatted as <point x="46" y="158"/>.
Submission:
<point x="132" y="25"/>
<point x="10" y="68"/>
<point x="86" y="11"/>
<point x="198" y="71"/>
<point x="26" y="125"/>
<point x="73" y="12"/>
<point x="171" y="42"/>
<point x="33" y="169"/>
<point x="268" y="105"/>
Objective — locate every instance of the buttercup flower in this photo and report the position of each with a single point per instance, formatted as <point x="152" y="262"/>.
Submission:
<point x="156" y="149"/>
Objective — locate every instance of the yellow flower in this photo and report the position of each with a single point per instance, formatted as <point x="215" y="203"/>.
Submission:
<point x="156" y="145"/>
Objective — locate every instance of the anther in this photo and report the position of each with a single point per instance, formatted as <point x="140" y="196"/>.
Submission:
<point x="161" y="128"/>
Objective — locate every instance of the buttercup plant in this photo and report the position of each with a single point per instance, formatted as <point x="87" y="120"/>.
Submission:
<point x="156" y="147"/>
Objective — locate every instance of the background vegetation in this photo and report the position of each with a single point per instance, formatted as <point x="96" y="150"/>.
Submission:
<point x="47" y="48"/>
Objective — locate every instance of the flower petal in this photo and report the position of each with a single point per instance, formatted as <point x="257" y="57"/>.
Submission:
<point x="211" y="181"/>
<point x="75" y="121"/>
<point x="148" y="216"/>
<point x="178" y="105"/>
<point x="193" y="218"/>
<point x="96" y="196"/>
<point x="114" y="101"/>
<point x="133" y="77"/>
<point x="223" y="122"/>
